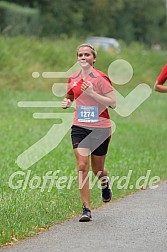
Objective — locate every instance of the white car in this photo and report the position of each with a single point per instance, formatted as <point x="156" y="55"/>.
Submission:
<point x="104" y="43"/>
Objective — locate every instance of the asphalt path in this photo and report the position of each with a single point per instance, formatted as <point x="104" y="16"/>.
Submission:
<point x="134" y="223"/>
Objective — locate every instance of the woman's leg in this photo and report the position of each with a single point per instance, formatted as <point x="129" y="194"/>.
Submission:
<point x="98" y="166"/>
<point x="83" y="180"/>
<point x="101" y="173"/>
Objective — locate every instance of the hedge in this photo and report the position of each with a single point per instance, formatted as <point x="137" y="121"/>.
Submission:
<point x="17" y="20"/>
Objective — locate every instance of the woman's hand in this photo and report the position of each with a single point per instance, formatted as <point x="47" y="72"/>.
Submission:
<point x="66" y="103"/>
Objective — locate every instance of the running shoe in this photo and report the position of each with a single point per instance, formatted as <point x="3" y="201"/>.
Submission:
<point x="86" y="215"/>
<point x="106" y="192"/>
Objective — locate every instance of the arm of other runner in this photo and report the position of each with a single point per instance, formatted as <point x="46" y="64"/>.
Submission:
<point x="160" y="87"/>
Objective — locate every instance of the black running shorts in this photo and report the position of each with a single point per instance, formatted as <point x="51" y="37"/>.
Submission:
<point x="95" y="139"/>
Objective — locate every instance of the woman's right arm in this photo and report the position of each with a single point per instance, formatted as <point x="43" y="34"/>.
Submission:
<point x="67" y="101"/>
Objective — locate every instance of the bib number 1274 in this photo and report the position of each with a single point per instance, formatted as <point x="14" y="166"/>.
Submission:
<point x="87" y="113"/>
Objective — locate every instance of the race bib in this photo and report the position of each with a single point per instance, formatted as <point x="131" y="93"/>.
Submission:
<point x="88" y="114"/>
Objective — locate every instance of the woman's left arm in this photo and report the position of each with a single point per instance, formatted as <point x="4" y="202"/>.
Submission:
<point x="107" y="100"/>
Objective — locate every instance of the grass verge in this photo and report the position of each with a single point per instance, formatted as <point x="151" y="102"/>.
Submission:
<point x="138" y="145"/>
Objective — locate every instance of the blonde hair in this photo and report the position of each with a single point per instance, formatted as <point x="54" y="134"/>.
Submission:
<point x="93" y="50"/>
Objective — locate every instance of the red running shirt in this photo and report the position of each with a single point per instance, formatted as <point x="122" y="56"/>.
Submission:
<point x="102" y="86"/>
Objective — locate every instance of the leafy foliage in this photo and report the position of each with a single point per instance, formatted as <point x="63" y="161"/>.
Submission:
<point x="128" y="20"/>
<point x="16" y="20"/>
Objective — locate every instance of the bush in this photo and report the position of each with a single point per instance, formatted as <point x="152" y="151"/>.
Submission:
<point x="17" y="20"/>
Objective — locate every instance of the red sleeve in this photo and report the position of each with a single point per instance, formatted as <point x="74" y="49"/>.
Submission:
<point x="163" y="75"/>
<point x="69" y="88"/>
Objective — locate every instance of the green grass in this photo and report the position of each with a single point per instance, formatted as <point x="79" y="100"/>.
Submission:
<point x="138" y="144"/>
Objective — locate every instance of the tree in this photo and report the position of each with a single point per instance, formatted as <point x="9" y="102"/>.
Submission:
<point x="27" y="3"/>
<point x="144" y="21"/>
